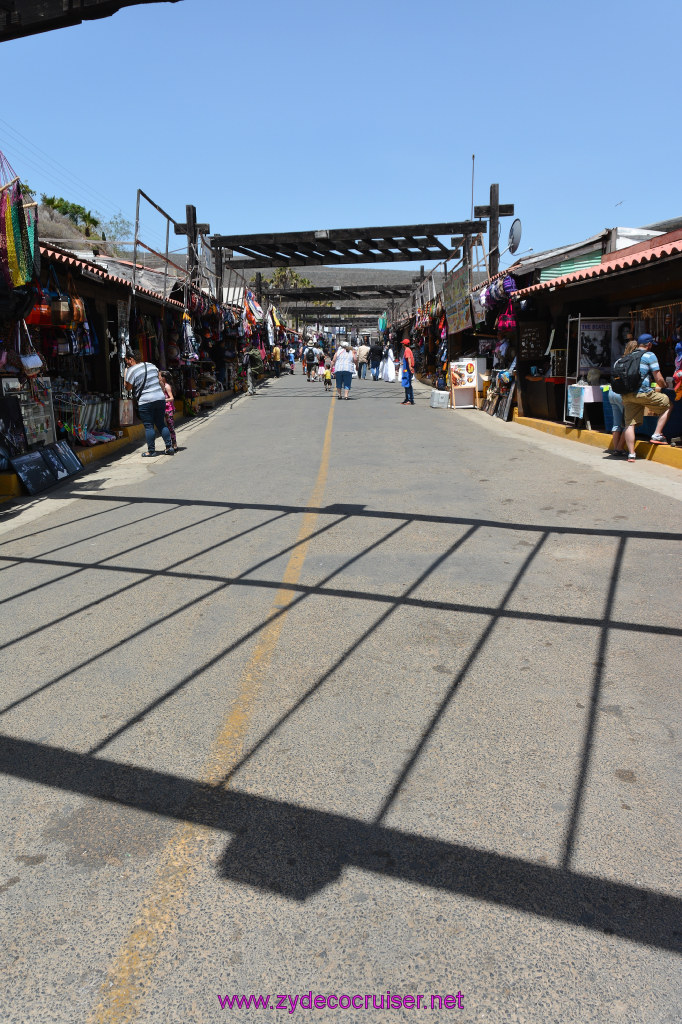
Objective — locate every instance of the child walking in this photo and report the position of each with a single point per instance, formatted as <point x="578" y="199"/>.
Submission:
<point x="170" y="406"/>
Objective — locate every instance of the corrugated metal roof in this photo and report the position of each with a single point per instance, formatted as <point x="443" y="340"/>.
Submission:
<point x="569" y="266"/>
<point x="616" y="262"/>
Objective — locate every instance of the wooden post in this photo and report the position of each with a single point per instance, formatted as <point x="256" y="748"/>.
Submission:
<point x="259" y="287"/>
<point x="192" y="238"/>
<point x="494" y="230"/>
<point x="219" y="274"/>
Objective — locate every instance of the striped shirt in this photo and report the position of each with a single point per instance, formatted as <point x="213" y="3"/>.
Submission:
<point x="344" y="360"/>
<point x="152" y="390"/>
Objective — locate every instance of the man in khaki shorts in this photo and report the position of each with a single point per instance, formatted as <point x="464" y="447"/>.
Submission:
<point x="635" y="403"/>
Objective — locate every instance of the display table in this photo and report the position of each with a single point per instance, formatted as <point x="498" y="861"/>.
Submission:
<point x="543" y="397"/>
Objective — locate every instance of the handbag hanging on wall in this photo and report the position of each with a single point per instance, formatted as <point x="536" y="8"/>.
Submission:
<point x="77" y="304"/>
<point x="506" y="322"/>
<point x="41" y="314"/>
<point x="60" y="303"/>
<point x="31" y="362"/>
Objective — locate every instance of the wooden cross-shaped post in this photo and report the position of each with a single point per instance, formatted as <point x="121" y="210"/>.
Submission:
<point x="192" y="230"/>
<point x="494" y="212"/>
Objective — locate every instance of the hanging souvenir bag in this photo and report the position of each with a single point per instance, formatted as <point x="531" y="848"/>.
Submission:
<point x="77" y="304"/>
<point x="12" y="267"/>
<point x="31" y="362"/>
<point x="509" y="284"/>
<point x="31" y="211"/>
<point x="497" y="290"/>
<point x="506" y="321"/>
<point x="41" y="314"/>
<point x="60" y="303"/>
<point x="19" y="256"/>
<point x="5" y="276"/>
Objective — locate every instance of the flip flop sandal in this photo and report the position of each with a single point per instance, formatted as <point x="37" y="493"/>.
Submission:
<point x="149" y="455"/>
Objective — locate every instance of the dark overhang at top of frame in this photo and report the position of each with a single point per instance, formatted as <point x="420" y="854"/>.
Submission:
<point x="29" y="17"/>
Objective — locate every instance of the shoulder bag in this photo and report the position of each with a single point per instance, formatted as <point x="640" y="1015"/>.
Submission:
<point x="137" y="391"/>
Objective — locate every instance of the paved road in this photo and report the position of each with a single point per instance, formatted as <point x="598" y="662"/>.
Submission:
<point x="346" y="698"/>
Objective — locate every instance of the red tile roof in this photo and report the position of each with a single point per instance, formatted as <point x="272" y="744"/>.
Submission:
<point x="67" y="258"/>
<point x="661" y="247"/>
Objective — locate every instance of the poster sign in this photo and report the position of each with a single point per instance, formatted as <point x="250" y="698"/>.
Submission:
<point x="44" y="467"/>
<point x="33" y="471"/>
<point x="463" y="374"/>
<point x="575" y="401"/>
<point x="463" y="384"/>
<point x="53" y="459"/>
<point x="456" y="300"/>
<point x="477" y="306"/>
<point x="68" y="457"/>
<point x="621" y="331"/>
<point x="595" y="344"/>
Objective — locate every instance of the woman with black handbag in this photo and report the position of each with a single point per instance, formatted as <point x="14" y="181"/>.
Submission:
<point x="143" y="380"/>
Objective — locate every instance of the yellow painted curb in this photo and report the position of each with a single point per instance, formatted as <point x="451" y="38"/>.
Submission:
<point x="661" y="454"/>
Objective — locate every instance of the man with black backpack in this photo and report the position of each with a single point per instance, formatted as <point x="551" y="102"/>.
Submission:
<point x="632" y="378"/>
<point x="310" y="358"/>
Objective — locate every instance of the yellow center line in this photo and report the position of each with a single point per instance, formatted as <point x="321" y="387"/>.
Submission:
<point x="131" y="974"/>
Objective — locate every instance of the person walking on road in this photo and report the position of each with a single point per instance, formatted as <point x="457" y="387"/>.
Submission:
<point x="407" y="368"/>
<point x="277" y="359"/>
<point x="292" y="360"/>
<point x="144" y="381"/>
<point x="634" y="402"/>
<point x="343" y="366"/>
<point x="251" y="360"/>
<point x="388" y="371"/>
<point x="363" y="358"/>
<point x="309" y="360"/>
<point x="375" y="360"/>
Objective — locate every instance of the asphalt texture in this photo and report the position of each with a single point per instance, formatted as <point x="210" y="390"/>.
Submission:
<point x="345" y="698"/>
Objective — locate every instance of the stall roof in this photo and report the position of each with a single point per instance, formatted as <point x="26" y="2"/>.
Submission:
<point x="91" y="269"/>
<point x="661" y="247"/>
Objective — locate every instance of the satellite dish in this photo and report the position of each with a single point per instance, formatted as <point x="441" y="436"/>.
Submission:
<point x="515" y="235"/>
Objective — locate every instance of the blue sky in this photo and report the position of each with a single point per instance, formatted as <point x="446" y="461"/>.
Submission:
<point x="303" y="115"/>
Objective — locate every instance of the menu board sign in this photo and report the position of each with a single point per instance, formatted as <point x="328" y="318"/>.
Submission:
<point x="463" y="374"/>
<point x="532" y="340"/>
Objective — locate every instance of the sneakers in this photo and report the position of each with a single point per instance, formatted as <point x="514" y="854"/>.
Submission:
<point x="170" y="451"/>
<point x="632" y="457"/>
<point x="658" y="439"/>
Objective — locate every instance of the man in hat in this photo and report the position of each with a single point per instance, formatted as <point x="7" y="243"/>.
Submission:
<point x="634" y="403"/>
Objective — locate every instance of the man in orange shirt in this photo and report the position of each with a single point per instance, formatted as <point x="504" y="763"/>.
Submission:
<point x="407" y="372"/>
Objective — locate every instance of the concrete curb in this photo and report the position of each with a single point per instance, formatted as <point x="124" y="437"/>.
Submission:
<point x="661" y="454"/>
